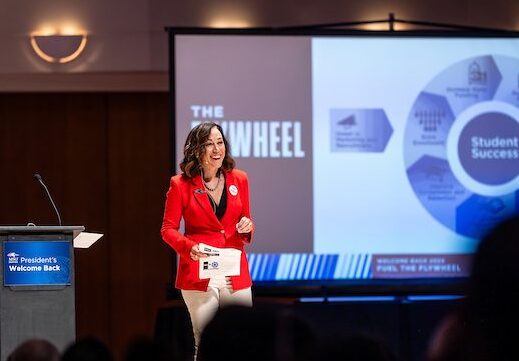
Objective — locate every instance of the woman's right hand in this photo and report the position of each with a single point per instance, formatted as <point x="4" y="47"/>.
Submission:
<point x="195" y="253"/>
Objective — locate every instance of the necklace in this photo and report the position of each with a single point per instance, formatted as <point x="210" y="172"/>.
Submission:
<point x="215" y="187"/>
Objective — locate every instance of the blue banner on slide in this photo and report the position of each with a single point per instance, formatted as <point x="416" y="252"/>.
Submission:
<point x="36" y="263"/>
<point x="307" y="266"/>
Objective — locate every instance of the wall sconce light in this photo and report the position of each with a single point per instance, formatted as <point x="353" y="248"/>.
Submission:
<point x="58" y="48"/>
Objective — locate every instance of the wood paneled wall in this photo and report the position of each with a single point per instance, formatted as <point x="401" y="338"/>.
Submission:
<point x="105" y="158"/>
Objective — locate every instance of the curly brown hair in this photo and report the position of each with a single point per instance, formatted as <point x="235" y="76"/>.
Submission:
<point x="194" y="150"/>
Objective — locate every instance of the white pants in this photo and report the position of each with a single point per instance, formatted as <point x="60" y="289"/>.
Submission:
<point x="202" y="306"/>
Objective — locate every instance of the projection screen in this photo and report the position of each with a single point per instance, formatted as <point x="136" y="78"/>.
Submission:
<point x="369" y="157"/>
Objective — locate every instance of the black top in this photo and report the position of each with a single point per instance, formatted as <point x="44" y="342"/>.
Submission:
<point x="219" y="209"/>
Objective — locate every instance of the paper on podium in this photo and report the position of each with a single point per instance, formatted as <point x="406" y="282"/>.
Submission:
<point x="86" y="239"/>
<point x="221" y="262"/>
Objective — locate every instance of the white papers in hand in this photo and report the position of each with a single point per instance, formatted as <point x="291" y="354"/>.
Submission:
<point x="221" y="262"/>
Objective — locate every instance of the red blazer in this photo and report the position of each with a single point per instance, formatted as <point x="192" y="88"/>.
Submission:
<point x="186" y="198"/>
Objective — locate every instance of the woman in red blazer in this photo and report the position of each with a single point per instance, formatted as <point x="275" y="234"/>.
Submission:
<point x="213" y="199"/>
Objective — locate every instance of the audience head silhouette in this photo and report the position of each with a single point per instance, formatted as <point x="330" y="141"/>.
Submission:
<point x="146" y="349"/>
<point x="485" y="328"/>
<point x="242" y="333"/>
<point x="87" y="349"/>
<point x="35" y="350"/>
<point x="491" y="311"/>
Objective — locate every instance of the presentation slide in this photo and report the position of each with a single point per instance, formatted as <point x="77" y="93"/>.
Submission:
<point x="368" y="157"/>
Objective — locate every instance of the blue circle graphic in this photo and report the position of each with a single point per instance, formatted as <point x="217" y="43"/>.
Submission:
<point x="479" y="97"/>
<point x="488" y="148"/>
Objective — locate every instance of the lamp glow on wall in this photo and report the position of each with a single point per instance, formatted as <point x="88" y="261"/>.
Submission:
<point x="229" y="17"/>
<point x="58" y="46"/>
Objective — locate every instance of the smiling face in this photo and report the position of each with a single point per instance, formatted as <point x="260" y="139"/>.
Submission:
<point x="207" y="150"/>
<point x="214" y="151"/>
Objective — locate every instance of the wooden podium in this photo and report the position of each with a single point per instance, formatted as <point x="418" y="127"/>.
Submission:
<point x="34" y="307"/>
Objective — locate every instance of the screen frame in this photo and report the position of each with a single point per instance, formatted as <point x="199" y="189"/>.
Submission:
<point x="396" y="286"/>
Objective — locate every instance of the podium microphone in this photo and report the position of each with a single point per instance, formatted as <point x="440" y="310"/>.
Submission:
<point x="40" y="180"/>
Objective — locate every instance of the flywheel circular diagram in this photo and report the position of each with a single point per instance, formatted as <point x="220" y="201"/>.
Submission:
<point x="461" y="144"/>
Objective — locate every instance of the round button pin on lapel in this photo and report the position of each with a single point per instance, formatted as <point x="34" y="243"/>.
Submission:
<point x="233" y="190"/>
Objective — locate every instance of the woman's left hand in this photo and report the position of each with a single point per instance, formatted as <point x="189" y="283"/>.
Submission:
<point x="245" y="225"/>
